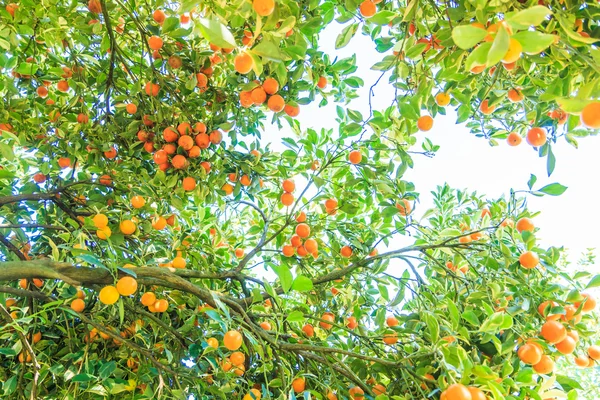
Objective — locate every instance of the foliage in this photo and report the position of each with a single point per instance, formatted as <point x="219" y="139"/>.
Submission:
<point x="131" y="148"/>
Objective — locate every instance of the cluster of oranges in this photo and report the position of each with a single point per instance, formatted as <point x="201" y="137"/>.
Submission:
<point x="263" y="93"/>
<point x="154" y="305"/>
<point x="301" y="243"/>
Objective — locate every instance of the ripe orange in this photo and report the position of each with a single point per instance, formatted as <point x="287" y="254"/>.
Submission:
<point x="302" y="230"/>
<point x="352" y="323"/>
<point x="62" y="86"/>
<point x="258" y="95"/>
<point x="232" y="340"/>
<point x="64" y="162"/>
<point x="529" y="260"/>
<point x="263" y="7"/>
<point x="308" y="330"/>
<point x="179" y="162"/>
<point x="127" y="227"/>
<point x="189" y="183"/>
<point x="327" y="318"/>
<point x="159" y="223"/>
<point x="152" y="89"/>
<point x="155" y="42"/>
<point x="590" y="115"/>
<point x="288" y="250"/>
<point x="161" y="305"/>
<point x="566" y="346"/>
<point x="476" y="393"/>
<point x="457" y="391"/>
<point x="367" y="8"/>
<point x="331" y="204"/>
<point x="530" y="354"/>
<point x="126" y="286"/>
<point x="379" y="389"/>
<point x="404" y="207"/>
<point x="216" y="137"/>
<point x="391" y="321"/>
<point x="594" y="352"/>
<point x="103" y="233"/>
<point x="390" y="338"/>
<point x="525" y="224"/>
<point x="148" y="299"/>
<point x="356" y="393"/>
<point x="485" y="107"/>
<point x="82" y="118"/>
<point x="311" y="245"/>
<point x="553" y="332"/>
<point x="78" y="305"/>
<point x="159" y="16"/>
<point x="253" y="395"/>
<point x="536" y="137"/>
<point x="227" y="188"/>
<point x="276" y="103"/>
<point x="322" y="82"/>
<point x="355" y="157"/>
<point x="179" y="262"/>
<point x="212" y="342"/>
<point x="138" y="201"/>
<point x="237" y="358"/>
<point x="298" y="385"/>
<point x="186" y="142"/>
<point x="287" y="199"/>
<point x="265" y="325"/>
<point x="108" y="295"/>
<point x="239" y="253"/>
<point x="425" y="123"/>
<point x="105" y="180"/>
<point x="589" y="303"/>
<point x="346" y="251"/>
<point x="270" y="86"/>
<point x="301" y="217"/>
<point x="131" y="108"/>
<point x="100" y="220"/>
<point x="514" y="139"/>
<point x="203" y="140"/>
<point x="515" y="95"/>
<point x="243" y="63"/>
<point x="442" y="99"/>
<point x="42" y="92"/>
<point x="582" y="361"/>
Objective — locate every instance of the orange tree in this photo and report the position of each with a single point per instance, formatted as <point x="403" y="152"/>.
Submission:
<point x="153" y="246"/>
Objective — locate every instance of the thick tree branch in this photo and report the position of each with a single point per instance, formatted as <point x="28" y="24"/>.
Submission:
<point x="11" y="247"/>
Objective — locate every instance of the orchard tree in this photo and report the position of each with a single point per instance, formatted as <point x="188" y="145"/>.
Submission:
<point x="153" y="246"/>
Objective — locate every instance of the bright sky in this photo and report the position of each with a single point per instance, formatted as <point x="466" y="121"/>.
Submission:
<point x="467" y="162"/>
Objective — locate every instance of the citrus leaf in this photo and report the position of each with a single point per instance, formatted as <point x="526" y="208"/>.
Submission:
<point x="531" y="16"/>
<point x="216" y="33"/>
<point x="467" y="36"/>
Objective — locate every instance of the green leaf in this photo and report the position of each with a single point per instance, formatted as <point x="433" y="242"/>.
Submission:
<point x="499" y="47"/>
<point x="270" y="51"/>
<point x="594" y="282"/>
<point x="551" y="162"/>
<point x="216" y="33"/>
<point x="345" y="36"/>
<point x="7" y="151"/>
<point x="478" y="56"/>
<point x="534" y="42"/>
<point x="285" y="276"/>
<point x="433" y="326"/>
<point x="553" y="189"/>
<point x="27" y="68"/>
<point x="302" y="284"/>
<point x="170" y="24"/>
<point x="467" y="36"/>
<point x="531" y="16"/>
<point x="532" y="180"/>
<point x="565" y="25"/>
<point x="295" y="316"/>
<point x="382" y="17"/>
<point x="83" y="378"/>
<point x="572" y="105"/>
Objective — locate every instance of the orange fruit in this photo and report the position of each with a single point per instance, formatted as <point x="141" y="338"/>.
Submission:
<point x="529" y="260"/>
<point x="476" y="393"/>
<point x="258" y="95"/>
<point x="589" y="303"/>
<point x="237" y="358"/>
<point x="288" y="250"/>
<point x="152" y="89"/>
<point x="291" y="110"/>
<point x="391" y="321"/>
<point x="544" y="366"/>
<point x="254" y="394"/>
<point x="311" y="245"/>
<point x="327" y="318"/>
<point x="298" y="385"/>
<point x="127" y="227"/>
<point x="104" y="232"/>
<point x="553" y="332"/>
<point x="457" y="391"/>
<point x="186" y="142"/>
<point x="590" y="115"/>
<point x="137" y="202"/>
<point x="379" y="389"/>
<point x="425" y="123"/>
<point x="485" y="107"/>
<point x="355" y="157"/>
<point x="514" y="139"/>
<point x="78" y="305"/>
<point x="131" y="108"/>
<point x="239" y="253"/>
<point x="179" y="162"/>
<point x="161" y="305"/>
<point x="390" y="338"/>
<point x="442" y="99"/>
<point x="594" y="352"/>
<point x="100" y="221"/>
<point x="525" y="224"/>
<point x="62" y="86"/>
<point x="159" y="16"/>
<point x="159" y="223"/>
<point x="270" y="86"/>
<point x="266" y="325"/>
<point x="263" y="7"/>
<point x="301" y="217"/>
<point x="352" y="323"/>
<point x="64" y="162"/>
<point x="536" y="137"/>
<point x="212" y="342"/>
<point x="243" y="63"/>
<point x="530" y="354"/>
<point x="543" y="306"/>
<point x="148" y="299"/>
<point x="302" y="230"/>
<point x="367" y="8"/>
<point x="515" y="95"/>
<point x="189" y="183"/>
<point x="582" y="361"/>
<point x="566" y="346"/>
<point x="322" y="82"/>
<point x="514" y="51"/>
<point x="108" y="295"/>
<point x="346" y="251"/>
<point x="232" y="340"/>
<point x="227" y="188"/>
<point x="155" y="42"/>
<point x="287" y="199"/>
<point x="288" y="186"/>
<point x="126" y="286"/>
<point x="308" y="330"/>
<point x="276" y="103"/>
<point x="178" y="262"/>
<point x="356" y="393"/>
<point x="203" y="140"/>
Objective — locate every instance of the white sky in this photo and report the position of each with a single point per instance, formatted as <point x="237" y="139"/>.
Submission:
<point x="467" y="162"/>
